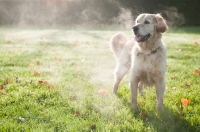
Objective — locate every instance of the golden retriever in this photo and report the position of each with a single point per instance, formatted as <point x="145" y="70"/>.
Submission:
<point x="145" y="55"/>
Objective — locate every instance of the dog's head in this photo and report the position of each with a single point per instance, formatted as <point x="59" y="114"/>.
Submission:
<point x="146" y="25"/>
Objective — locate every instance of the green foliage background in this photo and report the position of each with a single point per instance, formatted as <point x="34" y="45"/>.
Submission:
<point x="65" y="12"/>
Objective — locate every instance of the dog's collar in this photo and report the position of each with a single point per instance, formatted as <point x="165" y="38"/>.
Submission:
<point x="155" y="50"/>
<point x="152" y="52"/>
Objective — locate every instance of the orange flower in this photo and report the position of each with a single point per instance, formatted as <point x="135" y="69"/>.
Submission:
<point x="39" y="62"/>
<point x="2" y="86"/>
<point x="37" y="73"/>
<point x="46" y="84"/>
<point x="31" y="64"/>
<point x="77" y="112"/>
<point x="77" y="69"/>
<point x="196" y="43"/>
<point x="56" y="59"/>
<point x="50" y="86"/>
<point x="187" y="85"/>
<point x="8" y="80"/>
<point x="197" y="72"/>
<point x="9" y="42"/>
<point x="21" y="40"/>
<point x="72" y="96"/>
<point x="40" y="82"/>
<point x="87" y="42"/>
<point x="102" y="92"/>
<point x="185" y="102"/>
<point x="3" y="91"/>
<point x="143" y="103"/>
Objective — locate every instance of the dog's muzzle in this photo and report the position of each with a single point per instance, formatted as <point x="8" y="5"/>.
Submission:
<point x="140" y="38"/>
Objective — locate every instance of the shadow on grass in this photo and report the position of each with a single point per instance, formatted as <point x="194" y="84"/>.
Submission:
<point x="166" y="121"/>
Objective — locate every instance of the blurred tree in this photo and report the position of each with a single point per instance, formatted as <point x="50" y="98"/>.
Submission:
<point x="66" y="12"/>
<point x="188" y="9"/>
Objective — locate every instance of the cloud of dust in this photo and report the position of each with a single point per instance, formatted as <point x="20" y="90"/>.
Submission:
<point x="124" y="19"/>
<point x="40" y="12"/>
<point x="64" y="13"/>
<point x="77" y="13"/>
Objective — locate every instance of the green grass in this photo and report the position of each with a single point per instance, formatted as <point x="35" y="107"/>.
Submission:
<point x="77" y="64"/>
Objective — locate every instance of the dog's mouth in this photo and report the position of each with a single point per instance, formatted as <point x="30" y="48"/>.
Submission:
<point x="140" y="38"/>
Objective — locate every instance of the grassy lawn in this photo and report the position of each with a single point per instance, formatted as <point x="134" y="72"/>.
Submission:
<point x="61" y="80"/>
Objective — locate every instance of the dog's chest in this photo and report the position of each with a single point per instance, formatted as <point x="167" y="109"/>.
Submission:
<point x="148" y="64"/>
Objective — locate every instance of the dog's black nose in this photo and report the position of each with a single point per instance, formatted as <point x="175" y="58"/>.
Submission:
<point x="135" y="28"/>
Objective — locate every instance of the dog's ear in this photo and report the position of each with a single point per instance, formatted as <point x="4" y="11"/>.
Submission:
<point x="161" y="23"/>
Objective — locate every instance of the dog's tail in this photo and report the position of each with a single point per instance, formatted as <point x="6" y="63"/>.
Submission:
<point x="117" y="43"/>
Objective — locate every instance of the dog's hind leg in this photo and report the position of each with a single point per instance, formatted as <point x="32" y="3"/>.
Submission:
<point x="119" y="73"/>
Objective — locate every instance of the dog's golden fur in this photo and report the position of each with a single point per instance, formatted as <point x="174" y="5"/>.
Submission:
<point x="145" y="55"/>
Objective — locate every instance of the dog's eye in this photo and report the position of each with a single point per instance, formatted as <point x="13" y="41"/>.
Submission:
<point x="146" y="22"/>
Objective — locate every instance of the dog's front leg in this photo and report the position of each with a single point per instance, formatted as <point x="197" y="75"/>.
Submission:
<point x="160" y="89"/>
<point x="134" y="86"/>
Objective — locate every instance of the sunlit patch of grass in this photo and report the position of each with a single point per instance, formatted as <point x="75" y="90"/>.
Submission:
<point x="74" y="66"/>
